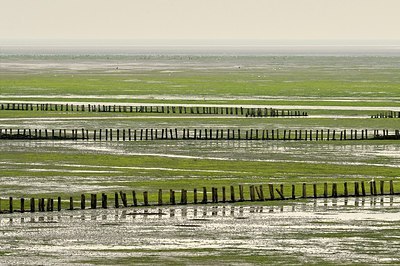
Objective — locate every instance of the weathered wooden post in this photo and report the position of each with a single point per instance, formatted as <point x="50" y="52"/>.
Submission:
<point x="232" y="194"/>
<point x="58" y="203"/>
<point x="83" y="203"/>
<point x="293" y="191"/>
<point x="22" y="205"/>
<point x="363" y="188"/>
<point x="382" y="187"/>
<point x="334" y="190"/>
<point x="116" y="200"/>
<point x="172" y="197"/>
<point x="123" y="199"/>
<point x="304" y="194"/>
<point x="215" y="195"/>
<point x="252" y="193"/>
<point x="325" y="190"/>
<point x="42" y="204"/>
<point x="346" y="192"/>
<point x="204" y="201"/>
<point x="145" y="198"/>
<point x="315" y="190"/>
<point x="160" y="199"/>
<point x="223" y="194"/>
<point x="134" y="199"/>
<point x="104" y="200"/>
<point x="195" y="195"/>
<point x="261" y="193"/>
<point x="93" y="201"/>
<point x="50" y="205"/>
<point x="71" y="203"/>
<point x="391" y="191"/>
<point x="11" y="205"/>
<point x="32" y="203"/>
<point x="241" y="193"/>
<point x="271" y="191"/>
<point x="356" y="189"/>
<point x="184" y="197"/>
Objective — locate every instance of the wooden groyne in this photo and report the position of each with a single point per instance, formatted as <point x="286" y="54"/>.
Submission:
<point x="159" y="109"/>
<point x="205" y="195"/>
<point x="389" y="114"/>
<point x="197" y="134"/>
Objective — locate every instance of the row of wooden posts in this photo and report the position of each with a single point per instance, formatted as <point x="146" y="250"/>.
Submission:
<point x="186" y="133"/>
<point x="254" y="193"/>
<point x="389" y="114"/>
<point x="214" y="110"/>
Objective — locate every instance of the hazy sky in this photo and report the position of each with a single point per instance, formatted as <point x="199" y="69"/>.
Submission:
<point x="200" y="19"/>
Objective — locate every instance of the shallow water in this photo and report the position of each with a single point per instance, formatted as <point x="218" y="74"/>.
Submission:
<point x="361" y="230"/>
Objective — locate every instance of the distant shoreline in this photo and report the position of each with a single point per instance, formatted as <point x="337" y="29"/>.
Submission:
<point x="217" y="50"/>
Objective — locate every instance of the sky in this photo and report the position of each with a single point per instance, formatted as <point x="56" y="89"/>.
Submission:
<point x="200" y="20"/>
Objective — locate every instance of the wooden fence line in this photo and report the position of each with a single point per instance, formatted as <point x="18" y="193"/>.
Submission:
<point x="167" y="109"/>
<point x="217" y="195"/>
<point x="196" y="134"/>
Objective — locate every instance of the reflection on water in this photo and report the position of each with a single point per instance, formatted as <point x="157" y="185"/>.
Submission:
<point x="208" y="211"/>
<point x="342" y="230"/>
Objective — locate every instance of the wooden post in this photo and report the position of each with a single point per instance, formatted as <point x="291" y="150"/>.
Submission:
<point x="22" y="205"/>
<point x="145" y="198"/>
<point x="49" y="206"/>
<point x="160" y="200"/>
<point x="123" y="199"/>
<point x="334" y="190"/>
<point x="184" y="196"/>
<point x="363" y="188"/>
<point x="32" y="203"/>
<point x="252" y="193"/>
<point x="391" y="187"/>
<point x="293" y="191"/>
<point x="93" y="201"/>
<point x="172" y="197"/>
<point x="204" y="201"/>
<point x="241" y="194"/>
<point x="304" y="194"/>
<point x="11" y="205"/>
<point x="41" y="202"/>
<point x="104" y="200"/>
<point x="71" y="203"/>
<point x="42" y="205"/>
<point x="261" y="196"/>
<point x="346" y="192"/>
<point x="374" y="187"/>
<point x="58" y="203"/>
<point x="232" y="194"/>
<point x="382" y="187"/>
<point x="223" y="194"/>
<point x="325" y="190"/>
<point x="134" y="199"/>
<point x="116" y="200"/>
<point x="315" y="190"/>
<point x="271" y="191"/>
<point x="83" y="203"/>
<point x="214" y="195"/>
<point x="356" y="189"/>
<point x="195" y="195"/>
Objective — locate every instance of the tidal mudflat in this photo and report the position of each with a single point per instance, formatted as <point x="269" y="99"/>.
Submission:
<point x="338" y="92"/>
